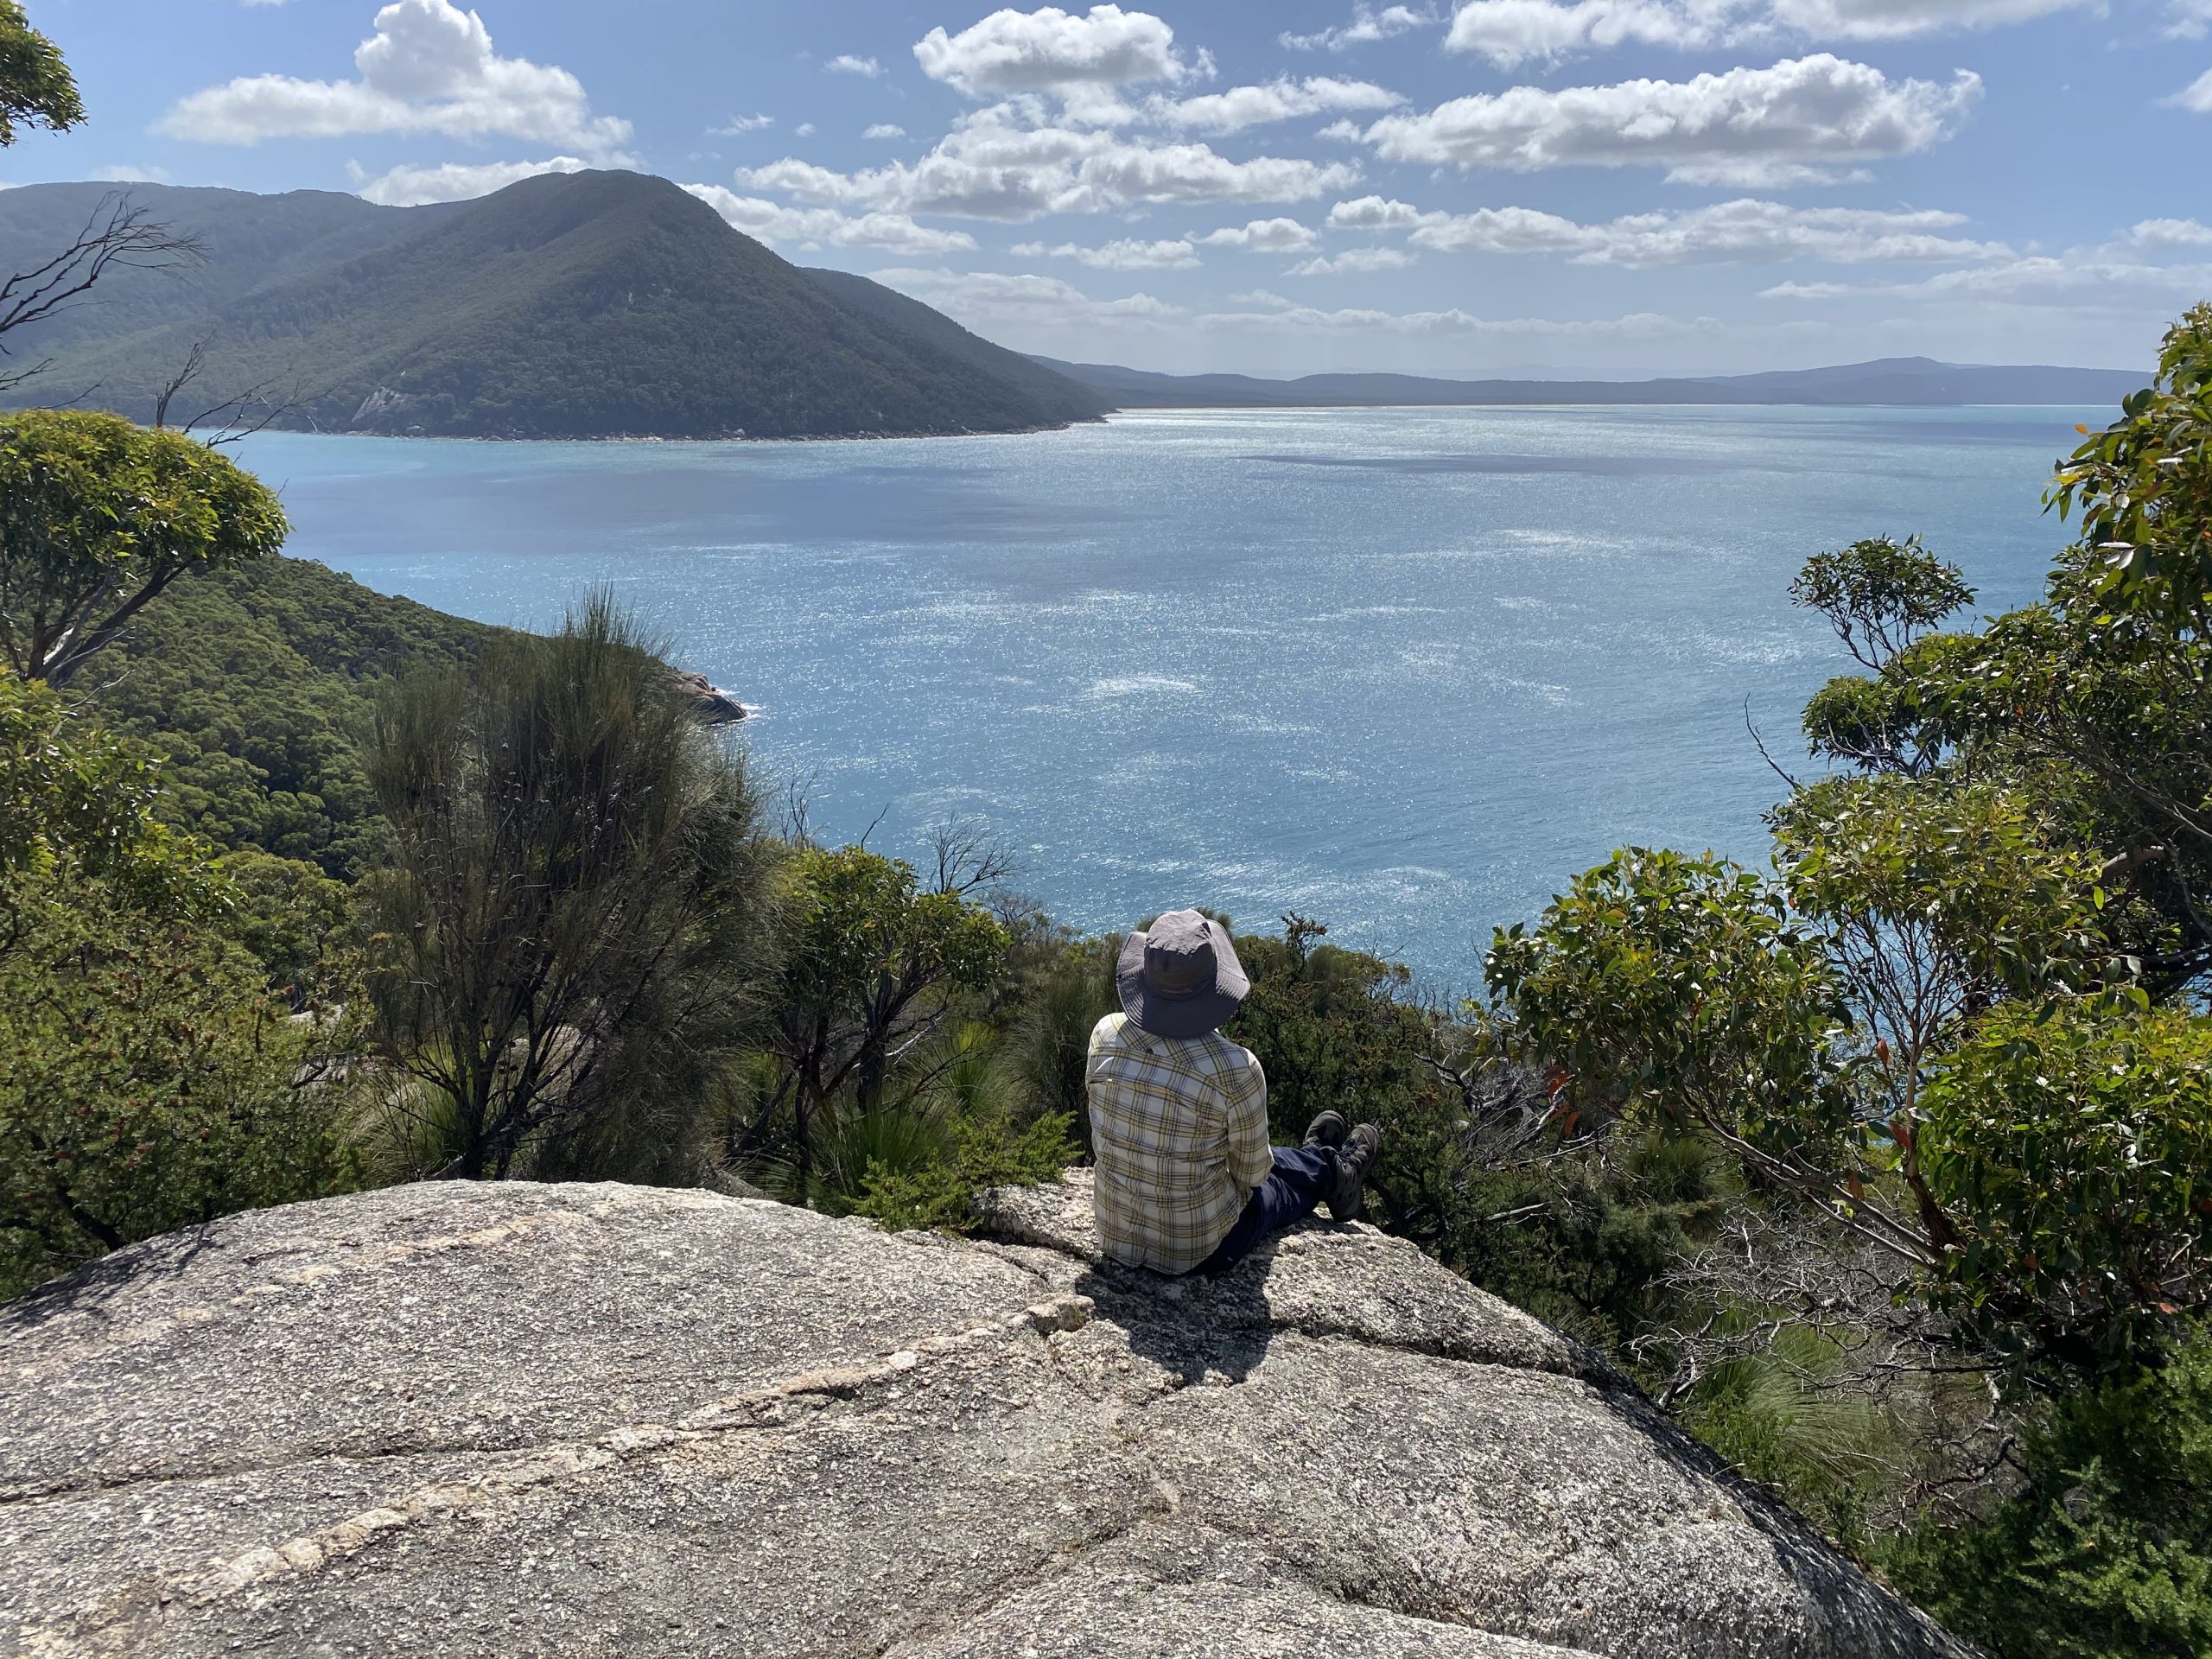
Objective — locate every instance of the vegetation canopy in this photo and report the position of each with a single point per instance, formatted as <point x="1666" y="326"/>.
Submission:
<point x="98" y="517"/>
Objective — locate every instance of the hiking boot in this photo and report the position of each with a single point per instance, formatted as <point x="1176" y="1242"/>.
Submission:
<point x="1354" y="1159"/>
<point x="1326" y="1131"/>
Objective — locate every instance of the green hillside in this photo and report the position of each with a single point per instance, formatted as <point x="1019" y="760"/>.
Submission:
<point x="250" y="243"/>
<point x="1068" y="400"/>
<point x="256" y="682"/>
<point x="585" y="305"/>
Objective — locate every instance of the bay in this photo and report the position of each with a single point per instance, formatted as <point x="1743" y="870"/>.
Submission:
<point x="1402" y="670"/>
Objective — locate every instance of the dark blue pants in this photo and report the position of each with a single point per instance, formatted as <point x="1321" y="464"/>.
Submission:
<point x="1303" y="1176"/>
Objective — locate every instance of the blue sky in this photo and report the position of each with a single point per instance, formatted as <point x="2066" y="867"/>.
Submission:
<point x="1617" y="186"/>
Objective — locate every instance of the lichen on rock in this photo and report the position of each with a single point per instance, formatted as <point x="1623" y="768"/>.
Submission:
<point x="574" y="1420"/>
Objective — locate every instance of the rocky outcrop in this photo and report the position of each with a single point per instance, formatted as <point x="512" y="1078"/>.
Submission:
<point x="596" y="1420"/>
<point x="709" y="701"/>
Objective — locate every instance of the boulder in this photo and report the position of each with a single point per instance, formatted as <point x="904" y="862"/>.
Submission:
<point x="521" y="1420"/>
<point x="709" y="701"/>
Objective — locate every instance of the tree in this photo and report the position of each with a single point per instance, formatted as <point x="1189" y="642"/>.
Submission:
<point x="37" y="90"/>
<point x="35" y="85"/>
<point x="1953" y="1024"/>
<point x="98" y="517"/>
<point x="117" y="235"/>
<point x="578" y="903"/>
<point x="147" y="1080"/>
<point x="871" y="964"/>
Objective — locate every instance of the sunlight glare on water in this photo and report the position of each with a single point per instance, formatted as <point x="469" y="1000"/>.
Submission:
<point x="1405" y="670"/>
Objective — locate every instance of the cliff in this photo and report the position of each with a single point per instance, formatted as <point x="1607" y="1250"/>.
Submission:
<point x="587" y="1420"/>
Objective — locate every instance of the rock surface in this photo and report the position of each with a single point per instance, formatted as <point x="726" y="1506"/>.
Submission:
<point x="709" y="701"/>
<point x="598" y="1419"/>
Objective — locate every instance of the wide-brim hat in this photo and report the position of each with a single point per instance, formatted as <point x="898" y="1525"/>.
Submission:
<point x="1180" y="977"/>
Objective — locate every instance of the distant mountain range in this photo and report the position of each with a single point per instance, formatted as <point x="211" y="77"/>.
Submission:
<point x="584" y="305"/>
<point x="610" y="304"/>
<point x="1892" y="380"/>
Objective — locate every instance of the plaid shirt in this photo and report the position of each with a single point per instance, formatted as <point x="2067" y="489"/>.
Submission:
<point x="1179" y="1125"/>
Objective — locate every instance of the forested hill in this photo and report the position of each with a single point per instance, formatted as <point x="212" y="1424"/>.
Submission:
<point x="583" y="305"/>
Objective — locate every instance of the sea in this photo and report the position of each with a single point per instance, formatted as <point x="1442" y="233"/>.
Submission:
<point x="1403" y="671"/>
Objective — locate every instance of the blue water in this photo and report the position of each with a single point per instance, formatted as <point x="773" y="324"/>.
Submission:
<point x="1405" y="670"/>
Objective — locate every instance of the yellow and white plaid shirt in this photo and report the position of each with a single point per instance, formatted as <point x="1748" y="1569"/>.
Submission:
<point x="1179" y="1125"/>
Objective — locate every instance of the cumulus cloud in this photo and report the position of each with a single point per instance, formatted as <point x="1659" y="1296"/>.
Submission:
<point x="1730" y="232"/>
<point x="1263" y="235"/>
<point x="1509" y="33"/>
<point x="767" y="221"/>
<point x="885" y="129"/>
<point x="1055" y="51"/>
<point x="846" y="64"/>
<point x="1354" y="260"/>
<point x="2079" y="277"/>
<point x="989" y="299"/>
<point x="428" y="68"/>
<point x="1127" y="254"/>
<point x="738" y="124"/>
<point x="1820" y="109"/>
<point x="2197" y="96"/>
<point x="1283" y="99"/>
<point x="1377" y="214"/>
<point x="412" y="187"/>
<point x="2160" y="233"/>
<point x="994" y="166"/>
<point x="1367" y="24"/>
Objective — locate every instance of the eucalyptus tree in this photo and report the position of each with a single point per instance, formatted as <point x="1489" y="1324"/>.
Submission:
<point x="97" y="519"/>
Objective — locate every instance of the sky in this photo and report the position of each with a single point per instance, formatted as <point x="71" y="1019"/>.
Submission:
<point x="1618" y="188"/>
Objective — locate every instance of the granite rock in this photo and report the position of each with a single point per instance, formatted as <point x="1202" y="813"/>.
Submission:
<point x="523" y="1420"/>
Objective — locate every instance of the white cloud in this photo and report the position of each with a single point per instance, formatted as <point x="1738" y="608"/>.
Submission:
<point x="1761" y="173"/>
<point x="1729" y="232"/>
<point x="2044" y="279"/>
<point x="805" y="130"/>
<point x="2155" y="234"/>
<point x="2187" y="20"/>
<point x="1892" y="19"/>
<point x="846" y="64"/>
<point x="1814" y="109"/>
<point x="1377" y="213"/>
<point x="993" y="166"/>
<point x="1284" y="99"/>
<point x="1367" y="24"/>
<point x="1052" y="50"/>
<point x="1125" y="255"/>
<point x="1263" y="235"/>
<point x="1354" y="259"/>
<point x="989" y="298"/>
<point x="2197" y="96"/>
<point x="884" y="130"/>
<point x="1277" y="314"/>
<point x="1509" y="33"/>
<point x="428" y="68"/>
<point x="126" y="175"/>
<point x="768" y="222"/>
<point x="411" y="187"/>
<point x="738" y="124"/>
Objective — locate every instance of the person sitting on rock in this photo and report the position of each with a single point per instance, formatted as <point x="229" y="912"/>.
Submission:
<point x="1186" y="1179"/>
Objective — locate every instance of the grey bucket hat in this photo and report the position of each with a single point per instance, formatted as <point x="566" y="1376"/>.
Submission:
<point x="1181" y="978"/>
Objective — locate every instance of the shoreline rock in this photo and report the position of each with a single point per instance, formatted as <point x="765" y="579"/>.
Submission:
<point x="712" y="705"/>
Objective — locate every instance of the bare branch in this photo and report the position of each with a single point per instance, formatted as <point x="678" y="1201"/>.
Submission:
<point x="119" y="235"/>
